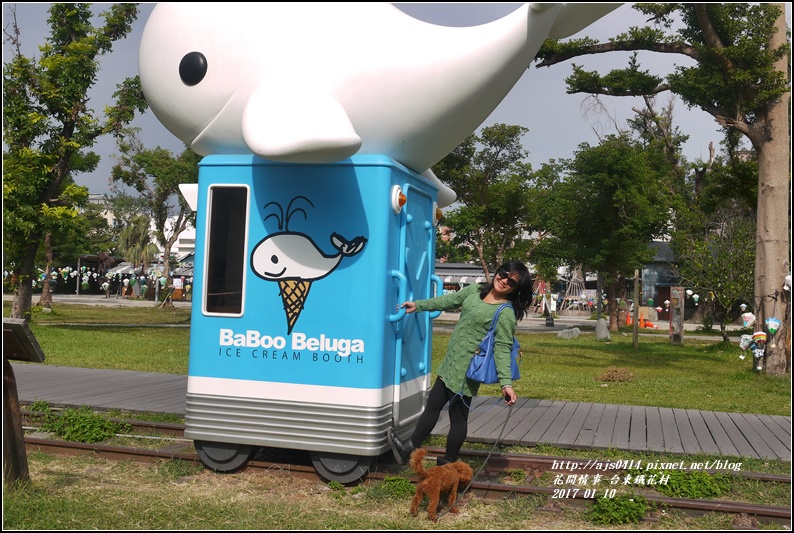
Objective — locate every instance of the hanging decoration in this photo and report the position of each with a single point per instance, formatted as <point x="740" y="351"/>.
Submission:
<point x="772" y="325"/>
<point x="758" y="347"/>
<point x="748" y="319"/>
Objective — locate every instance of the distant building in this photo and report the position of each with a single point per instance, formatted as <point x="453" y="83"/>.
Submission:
<point x="100" y="200"/>
<point x="455" y="276"/>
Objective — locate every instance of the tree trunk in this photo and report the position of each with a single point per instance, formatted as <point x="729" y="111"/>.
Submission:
<point x="24" y="289"/>
<point x="613" y="291"/>
<point x="45" y="300"/>
<point x="772" y="240"/>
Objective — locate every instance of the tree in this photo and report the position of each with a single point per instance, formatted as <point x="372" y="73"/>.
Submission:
<point x="48" y="129"/>
<point x="135" y="242"/>
<point x="607" y="210"/>
<point x="156" y="175"/>
<point x="741" y="78"/>
<point x="492" y="185"/>
<point x="718" y="261"/>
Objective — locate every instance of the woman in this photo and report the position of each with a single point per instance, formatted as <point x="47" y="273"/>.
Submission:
<point x="478" y="303"/>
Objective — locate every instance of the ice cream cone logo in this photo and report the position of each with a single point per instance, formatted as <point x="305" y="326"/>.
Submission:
<point x="295" y="261"/>
<point x="293" y="293"/>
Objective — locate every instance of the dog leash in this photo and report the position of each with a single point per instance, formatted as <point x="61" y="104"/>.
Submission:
<point x="496" y="443"/>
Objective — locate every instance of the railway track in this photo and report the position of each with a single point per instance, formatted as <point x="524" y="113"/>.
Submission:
<point x="492" y="470"/>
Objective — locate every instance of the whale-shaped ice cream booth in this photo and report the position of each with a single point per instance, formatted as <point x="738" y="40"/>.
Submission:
<point x="317" y="206"/>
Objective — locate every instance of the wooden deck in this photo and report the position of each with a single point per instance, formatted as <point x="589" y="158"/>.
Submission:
<point x="571" y="425"/>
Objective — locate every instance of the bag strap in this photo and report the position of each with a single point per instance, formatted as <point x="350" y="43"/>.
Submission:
<point x="496" y="314"/>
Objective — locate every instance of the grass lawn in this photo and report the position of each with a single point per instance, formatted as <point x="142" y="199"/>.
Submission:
<point x="701" y="374"/>
<point x="92" y="493"/>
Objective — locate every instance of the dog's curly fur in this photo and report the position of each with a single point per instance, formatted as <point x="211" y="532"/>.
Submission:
<point x="437" y="480"/>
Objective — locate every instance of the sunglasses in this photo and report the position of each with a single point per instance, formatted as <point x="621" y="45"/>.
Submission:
<point x="502" y="273"/>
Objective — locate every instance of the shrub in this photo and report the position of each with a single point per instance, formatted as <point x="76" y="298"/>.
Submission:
<point x="623" y="509"/>
<point x="83" y="425"/>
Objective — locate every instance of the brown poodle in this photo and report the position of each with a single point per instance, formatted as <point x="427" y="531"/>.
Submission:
<point x="434" y="481"/>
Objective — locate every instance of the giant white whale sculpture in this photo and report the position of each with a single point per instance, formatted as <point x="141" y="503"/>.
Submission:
<point x="315" y="83"/>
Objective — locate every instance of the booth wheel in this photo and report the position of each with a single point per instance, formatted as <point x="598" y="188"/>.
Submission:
<point x="224" y="456"/>
<point x="341" y="468"/>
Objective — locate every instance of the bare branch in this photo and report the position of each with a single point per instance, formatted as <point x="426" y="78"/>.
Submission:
<point x="13" y="38"/>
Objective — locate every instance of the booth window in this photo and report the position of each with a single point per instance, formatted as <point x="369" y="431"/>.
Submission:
<point x="226" y="235"/>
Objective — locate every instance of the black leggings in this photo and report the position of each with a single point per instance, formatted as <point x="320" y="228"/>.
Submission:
<point x="439" y="396"/>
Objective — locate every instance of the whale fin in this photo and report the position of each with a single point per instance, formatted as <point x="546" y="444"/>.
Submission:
<point x="445" y="195"/>
<point x="298" y="126"/>
<point x="348" y="248"/>
<point x="576" y="16"/>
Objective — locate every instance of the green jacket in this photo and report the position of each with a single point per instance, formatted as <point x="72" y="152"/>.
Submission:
<point x="475" y="319"/>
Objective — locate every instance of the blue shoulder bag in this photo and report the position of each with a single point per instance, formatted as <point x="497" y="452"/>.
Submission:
<point x="482" y="367"/>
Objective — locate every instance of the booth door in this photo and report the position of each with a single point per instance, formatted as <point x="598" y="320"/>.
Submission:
<point x="418" y="235"/>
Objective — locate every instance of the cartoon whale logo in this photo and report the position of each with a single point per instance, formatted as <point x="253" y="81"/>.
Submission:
<point x="317" y="83"/>
<point x="294" y="261"/>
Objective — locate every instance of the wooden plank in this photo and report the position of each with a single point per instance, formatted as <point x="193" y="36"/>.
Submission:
<point x="560" y="422"/>
<point x="620" y="435"/>
<point x="587" y="435"/>
<point x="744" y="448"/>
<point x="688" y="439"/>
<point x="654" y="429"/>
<point x="756" y="441"/>
<point x="783" y="421"/>
<point x="442" y="425"/>
<point x="497" y="427"/>
<point x="672" y="440"/>
<point x="483" y="412"/>
<point x="574" y="427"/>
<point x="606" y="426"/>
<point x="776" y="430"/>
<point x="497" y="411"/>
<point x="637" y="430"/>
<point x="721" y="437"/>
<point x="702" y="433"/>
<point x="780" y="449"/>
<point x="518" y="426"/>
<point x="539" y="428"/>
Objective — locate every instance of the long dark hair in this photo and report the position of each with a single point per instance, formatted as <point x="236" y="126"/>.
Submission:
<point x="521" y="298"/>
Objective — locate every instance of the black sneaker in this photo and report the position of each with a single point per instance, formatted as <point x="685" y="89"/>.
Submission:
<point x="401" y="450"/>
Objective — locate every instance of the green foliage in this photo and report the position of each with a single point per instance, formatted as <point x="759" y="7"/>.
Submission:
<point x="608" y="209"/>
<point x="692" y="484"/>
<point x="517" y="475"/>
<point x="622" y="509"/>
<point x="336" y="486"/>
<point x="156" y="175"/>
<point x="40" y="406"/>
<point x="83" y="425"/>
<point x="48" y="129"/>
<point x="494" y="192"/>
<point x="392" y="487"/>
<point x="717" y="259"/>
<point x="736" y="70"/>
<point x="733" y="74"/>
<point x="135" y="242"/>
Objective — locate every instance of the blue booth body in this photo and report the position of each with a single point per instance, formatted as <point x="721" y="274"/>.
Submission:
<point x="297" y="340"/>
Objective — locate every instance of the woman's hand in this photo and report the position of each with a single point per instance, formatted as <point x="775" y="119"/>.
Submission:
<point x="410" y="307"/>
<point x="509" y="395"/>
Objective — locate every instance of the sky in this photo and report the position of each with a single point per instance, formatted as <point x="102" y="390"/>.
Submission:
<point x="557" y="122"/>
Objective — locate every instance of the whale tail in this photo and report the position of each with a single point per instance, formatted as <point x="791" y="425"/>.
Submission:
<point x="348" y="248"/>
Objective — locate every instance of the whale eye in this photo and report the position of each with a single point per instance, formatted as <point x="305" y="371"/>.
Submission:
<point x="274" y="259"/>
<point x="193" y="68"/>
